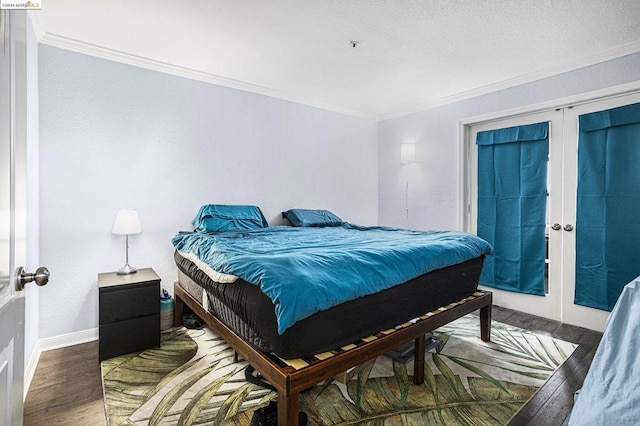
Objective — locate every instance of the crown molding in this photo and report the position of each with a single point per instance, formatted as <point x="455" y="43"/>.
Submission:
<point x="73" y="45"/>
<point x="36" y="23"/>
<point x="625" y="50"/>
<point x="89" y="49"/>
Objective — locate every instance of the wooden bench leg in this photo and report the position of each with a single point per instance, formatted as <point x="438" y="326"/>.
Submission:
<point x="485" y="323"/>
<point x="288" y="409"/>
<point x="418" y="361"/>
<point x="178" y="308"/>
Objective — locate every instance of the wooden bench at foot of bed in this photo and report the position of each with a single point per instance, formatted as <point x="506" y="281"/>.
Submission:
<point x="290" y="377"/>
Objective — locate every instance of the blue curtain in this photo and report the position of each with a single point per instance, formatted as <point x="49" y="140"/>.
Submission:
<point x="608" y="205"/>
<point x="512" y="200"/>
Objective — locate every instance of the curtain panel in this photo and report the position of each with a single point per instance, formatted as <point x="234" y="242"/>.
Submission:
<point x="512" y="200"/>
<point x="608" y="205"/>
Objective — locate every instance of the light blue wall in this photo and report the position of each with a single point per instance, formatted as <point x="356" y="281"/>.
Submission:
<point x="433" y="179"/>
<point x="116" y="136"/>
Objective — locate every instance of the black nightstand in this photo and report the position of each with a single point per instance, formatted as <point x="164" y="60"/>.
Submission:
<point x="129" y="312"/>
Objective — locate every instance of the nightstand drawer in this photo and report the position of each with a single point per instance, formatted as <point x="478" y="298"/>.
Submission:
<point x="129" y="336"/>
<point x="131" y="301"/>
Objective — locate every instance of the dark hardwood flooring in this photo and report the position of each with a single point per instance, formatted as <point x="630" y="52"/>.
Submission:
<point x="553" y="402"/>
<point x="67" y="388"/>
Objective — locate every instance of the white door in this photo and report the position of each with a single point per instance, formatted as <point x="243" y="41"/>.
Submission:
<point x="13" y="214"/>
<point x="11" y="300"/>
<point x="576" y="314"/>
<point x="558" y="302"/>
<point x="548" y="306"/>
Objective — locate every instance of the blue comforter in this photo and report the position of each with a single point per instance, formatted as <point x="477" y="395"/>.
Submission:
<point x="306" y="270"/>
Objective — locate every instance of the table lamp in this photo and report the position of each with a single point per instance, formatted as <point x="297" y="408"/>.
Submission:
<point x="127" y="223"/>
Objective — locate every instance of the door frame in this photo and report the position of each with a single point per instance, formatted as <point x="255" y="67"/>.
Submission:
<point x="466" y="169"/>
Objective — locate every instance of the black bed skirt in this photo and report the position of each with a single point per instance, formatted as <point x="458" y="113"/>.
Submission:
<point x="244" y="308"/>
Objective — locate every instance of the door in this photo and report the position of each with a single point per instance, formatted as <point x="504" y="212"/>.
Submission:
<point x="562" y="182"/>
<point x="13" y="213"/>
<point x="11" y="300"/>
<point x="574" y="313"/>
<point x="548" y="305"/>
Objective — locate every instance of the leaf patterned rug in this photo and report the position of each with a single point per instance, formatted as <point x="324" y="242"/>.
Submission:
<point x="192" y="380"/>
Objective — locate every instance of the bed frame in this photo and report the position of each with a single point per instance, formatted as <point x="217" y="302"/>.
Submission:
<point x="290" y="377"/>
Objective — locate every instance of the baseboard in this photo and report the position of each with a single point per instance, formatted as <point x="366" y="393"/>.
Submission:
<point x="30" y="368"/>
<point x="70" y="339"/>
<point x="55" y="342"/>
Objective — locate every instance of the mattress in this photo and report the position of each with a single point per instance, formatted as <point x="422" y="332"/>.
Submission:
<point x="304" y="270"/>
<point x="245" y="309"/>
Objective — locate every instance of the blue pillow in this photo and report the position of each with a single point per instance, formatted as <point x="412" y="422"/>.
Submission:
<point x="304" y="217"/>
<point x="220" y="218"/>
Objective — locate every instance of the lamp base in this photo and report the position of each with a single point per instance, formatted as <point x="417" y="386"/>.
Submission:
<point x="126" y="270"/>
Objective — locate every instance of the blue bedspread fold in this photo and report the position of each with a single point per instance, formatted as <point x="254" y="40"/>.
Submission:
<point x="306" y="270"/>
<point x="609" y="395"/>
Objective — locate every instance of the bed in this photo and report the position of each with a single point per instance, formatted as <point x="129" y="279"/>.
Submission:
<point x="609" y="394"/>
<point x="354" y="303"/>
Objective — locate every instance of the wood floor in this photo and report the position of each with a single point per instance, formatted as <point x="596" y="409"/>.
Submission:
<point x="67" y="389"/>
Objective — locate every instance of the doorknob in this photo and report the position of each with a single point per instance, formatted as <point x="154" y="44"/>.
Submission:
<point x="568" y="227"/>
<point x="556" y="227"/>
<point x="41" y="277"/>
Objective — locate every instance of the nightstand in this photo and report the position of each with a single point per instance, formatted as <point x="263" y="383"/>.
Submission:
<point x="129" y="312"/>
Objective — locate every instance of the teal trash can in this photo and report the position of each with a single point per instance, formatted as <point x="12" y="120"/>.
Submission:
<point x="166" y="311"/>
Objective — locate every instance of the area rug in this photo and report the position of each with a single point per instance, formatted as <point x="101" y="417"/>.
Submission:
<point x="192" y="380"/>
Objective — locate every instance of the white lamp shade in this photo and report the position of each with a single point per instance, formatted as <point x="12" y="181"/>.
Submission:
<point x="127" y="223"/>
<point x="407" y="153"/>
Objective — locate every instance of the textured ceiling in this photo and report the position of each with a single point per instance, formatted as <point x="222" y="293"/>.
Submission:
<point x="410" y="55"/>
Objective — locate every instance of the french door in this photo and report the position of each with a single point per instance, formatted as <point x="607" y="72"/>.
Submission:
<point x="550" y="304"/>
<point x="562" y="179"/>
